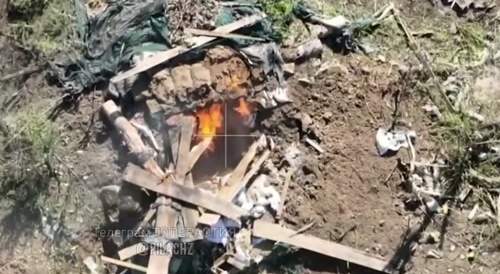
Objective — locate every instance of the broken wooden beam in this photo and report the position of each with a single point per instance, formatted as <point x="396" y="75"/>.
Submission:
<point x="277" y="233"/>
<point x="140" y="177"/>
<point x="234" y="184"/>
<point x="164" y="56"/>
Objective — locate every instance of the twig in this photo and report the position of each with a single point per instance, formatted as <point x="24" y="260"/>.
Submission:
<point x="20" y="73"/>
<point x="342" y="236"/>
<point x="498" y="211"/>
<point x="390" y="174"/>
<point x="418" y="53"/>
<point x="490" y="180"/>
<point x="284" y="193"/>
<point x="86" y="137"/>
<point x="304" y="228"/>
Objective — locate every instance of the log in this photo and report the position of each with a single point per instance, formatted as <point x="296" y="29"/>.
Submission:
<point x="196" y="42"/>
<point x="138" y="176"/>
<point x="166" y="216"/>
<point x="130" y="136"/>
<point x="234" y="185"/>
<point x="277" y="233"/>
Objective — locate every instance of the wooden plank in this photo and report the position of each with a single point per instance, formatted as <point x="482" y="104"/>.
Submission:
<point x="166" y="217"/>
<point x="130" y="251"/>
<point x="123" y="264"/>
<point x="138" y="176"/>
<point x="234" y="185"/>
<point x="196" y="42"/>
<point x="187" y="123"/>
<point x="189" y="213"/>
<point x="171" y="138"/>
<point x="208" y="33"/>
<point x="197" y="151"/>
<point x="277" y="233"/>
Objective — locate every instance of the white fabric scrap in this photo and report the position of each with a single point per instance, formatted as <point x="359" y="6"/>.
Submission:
<point x="392" y="141"/>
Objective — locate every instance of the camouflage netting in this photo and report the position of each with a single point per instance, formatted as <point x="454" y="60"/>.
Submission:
<point x="127" y="29"/>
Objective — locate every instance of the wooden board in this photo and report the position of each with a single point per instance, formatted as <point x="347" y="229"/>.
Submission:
<point x="277" y="233"/>
<point x="138" y="176"/>
<point x="130" y="251"/>
<point x="208" y="33"/>
<point x="197" y="42"/>
<point x="182" y="163"/>
<point x="189" y="213"/>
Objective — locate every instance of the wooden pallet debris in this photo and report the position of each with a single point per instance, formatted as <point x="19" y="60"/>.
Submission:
<point x="140" y="177"/>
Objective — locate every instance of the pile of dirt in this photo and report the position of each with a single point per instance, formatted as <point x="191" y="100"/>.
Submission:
<point x="222" y="74"/>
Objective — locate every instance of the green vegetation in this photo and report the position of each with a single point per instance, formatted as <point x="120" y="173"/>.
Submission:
<point x="280" y="13"/>
<point x="46" y="27"/>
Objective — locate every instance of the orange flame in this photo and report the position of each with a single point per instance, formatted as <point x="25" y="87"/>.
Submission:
<point x="243" y="108"/>
<point x="209" y="121"/>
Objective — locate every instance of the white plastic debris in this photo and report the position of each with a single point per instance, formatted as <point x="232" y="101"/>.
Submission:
<point x="338" y="22"/>
<point x="243" y="246"/>
<point x="260" y="196"/>
<point x="275" y="97"/>
<point x="392" y="141"/>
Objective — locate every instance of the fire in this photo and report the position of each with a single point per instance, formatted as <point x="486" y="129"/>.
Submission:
<point x="210" y="119"/>
<point x="243" y="108"/>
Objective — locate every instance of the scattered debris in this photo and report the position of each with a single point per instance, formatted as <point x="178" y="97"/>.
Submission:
<point x="434" y="254"/>
<point x="464" y="6"/>
<point x="91" y="265"/>
<point x="314" y="144"/>
<point x="390" y="142"/>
